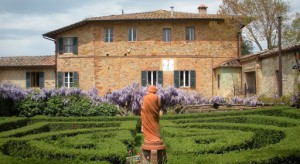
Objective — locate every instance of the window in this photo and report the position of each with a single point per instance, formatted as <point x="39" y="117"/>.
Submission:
<point x="132" y="34"/>
<point x="67" y="79"/>
<point x="68" y="45"/>
<point x="166" y="34"/>
<point x="109" y="34"/>
<point x="152" y="77"/>
<point x="185" y="78"/>
<point x="190" y="34"/>
<point x="34" y="79"/>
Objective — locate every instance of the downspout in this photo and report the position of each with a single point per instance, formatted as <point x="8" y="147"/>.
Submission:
<point x="55" y="65"/>
<point x="239" y="44"/>
<point x="212" y="75"/>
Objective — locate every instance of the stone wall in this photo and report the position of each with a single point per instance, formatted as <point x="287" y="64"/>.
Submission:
<point x="81" y="64"/>
<point x="289" y="76"/>
<point x="17" y="76"/>
<point x="111" y="66"/>
<point x="113" y="73"/>
<point x="266" y="79"/>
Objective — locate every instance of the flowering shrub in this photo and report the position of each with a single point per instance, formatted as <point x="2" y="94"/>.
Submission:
<point x="54" y="102"/>
<point x="9" y="94"/>
<point x="12" y="92"/>
<point x="75" y="102"/>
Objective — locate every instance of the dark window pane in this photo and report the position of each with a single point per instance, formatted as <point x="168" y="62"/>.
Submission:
<point x="154" y="78"/>
<point x="181" y="77"/>
<point x="187" y="77"/>
<point x="149" y="77"/>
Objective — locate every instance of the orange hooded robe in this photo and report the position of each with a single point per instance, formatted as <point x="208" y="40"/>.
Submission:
<point x="150" y="116"/>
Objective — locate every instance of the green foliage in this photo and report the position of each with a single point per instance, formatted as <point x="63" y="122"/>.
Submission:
<point x="54" y="106"/>
<point x="247" y="47"/>
<point x="291" y="33"/>
<point x="279" y="100"/>
<point x="29" y="108"/>
<point x="105" y="109"/>
<point x="12" y="123"/>
<point x="7" y="107"/>
<point x="74" y="105"/>
<point x="138" y="125"/>
<point x="258" y="136"/>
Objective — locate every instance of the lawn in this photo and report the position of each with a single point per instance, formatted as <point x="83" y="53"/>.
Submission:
<point x="270" y="135"/>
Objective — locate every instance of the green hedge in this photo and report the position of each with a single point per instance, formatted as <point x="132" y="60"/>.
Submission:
<point x="257" y="136"/>
<point x="65" y="106"/>
<point x="10" y="123"/>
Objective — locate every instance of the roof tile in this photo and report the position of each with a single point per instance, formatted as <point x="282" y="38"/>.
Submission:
<point x="27" y="61"/>
<point x="158" y="14"/>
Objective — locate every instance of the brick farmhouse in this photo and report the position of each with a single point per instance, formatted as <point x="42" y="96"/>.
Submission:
<point x="164" y="47"/>
<point x="191" y="51"/>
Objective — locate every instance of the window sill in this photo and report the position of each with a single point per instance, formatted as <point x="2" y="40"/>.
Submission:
<point x="34" y="87"/>
<point x="190" y="41"/>
<point x="184" y="87"/>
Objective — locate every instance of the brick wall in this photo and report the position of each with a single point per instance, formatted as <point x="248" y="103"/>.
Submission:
<point x="83" y="65"/>
<point x="118" y="64"/>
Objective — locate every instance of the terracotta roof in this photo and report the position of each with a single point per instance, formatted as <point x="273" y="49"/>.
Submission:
<point x="19" y="61"/>
<point x="152" y="15"/>
<point x="159" y="14"/>
<point x="231" y="63"/>
<point x="267" y="53"/>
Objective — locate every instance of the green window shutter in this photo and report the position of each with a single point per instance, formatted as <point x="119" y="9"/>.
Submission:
<point x="75" y="46"/>
<point x="28" y="80"/>
<point x="60" y="45"/>
<point x="60" y="79"/>
<point x="193" y="80"/>
<point x="41" y="80"/>
<point x="176" y="79"/>
<point x="144" y="78"/>
<point x="129" y="35"/>
<point x="76" y="80"/>
<point x="160" y="77"/>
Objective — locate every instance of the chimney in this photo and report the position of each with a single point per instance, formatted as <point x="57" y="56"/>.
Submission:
<point x="202" y="9"/>
<point x="172" y="11"/>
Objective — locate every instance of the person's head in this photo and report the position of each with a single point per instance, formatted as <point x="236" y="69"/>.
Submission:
<point x="152" y="89"/>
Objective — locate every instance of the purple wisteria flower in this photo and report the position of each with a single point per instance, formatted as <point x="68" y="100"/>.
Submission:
<point x="13" y="92"/>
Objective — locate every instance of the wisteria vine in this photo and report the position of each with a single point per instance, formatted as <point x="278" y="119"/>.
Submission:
<point x="129" y="98"/>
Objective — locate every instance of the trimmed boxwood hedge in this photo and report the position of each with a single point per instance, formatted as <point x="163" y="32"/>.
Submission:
<point x="257" y="136"/>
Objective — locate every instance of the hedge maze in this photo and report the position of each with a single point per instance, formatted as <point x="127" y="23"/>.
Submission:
<point x="254" y="136"/>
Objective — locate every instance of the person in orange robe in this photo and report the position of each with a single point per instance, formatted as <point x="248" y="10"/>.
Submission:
<point x="150" y="116"/>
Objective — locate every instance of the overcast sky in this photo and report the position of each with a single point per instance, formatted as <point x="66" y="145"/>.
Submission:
<point x="22" y="22"/>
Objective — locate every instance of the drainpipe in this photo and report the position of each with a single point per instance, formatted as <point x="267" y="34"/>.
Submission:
<point x="280" y="57"/>
<point x="55" y="70"/>
<point x="212" y="75"/>
<point x="239" y="44"/>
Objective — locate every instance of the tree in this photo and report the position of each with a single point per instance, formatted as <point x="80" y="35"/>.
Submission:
<point x="292" y="31"/>
<point x="247" y="47"/>
<point x="263" y="13"/>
